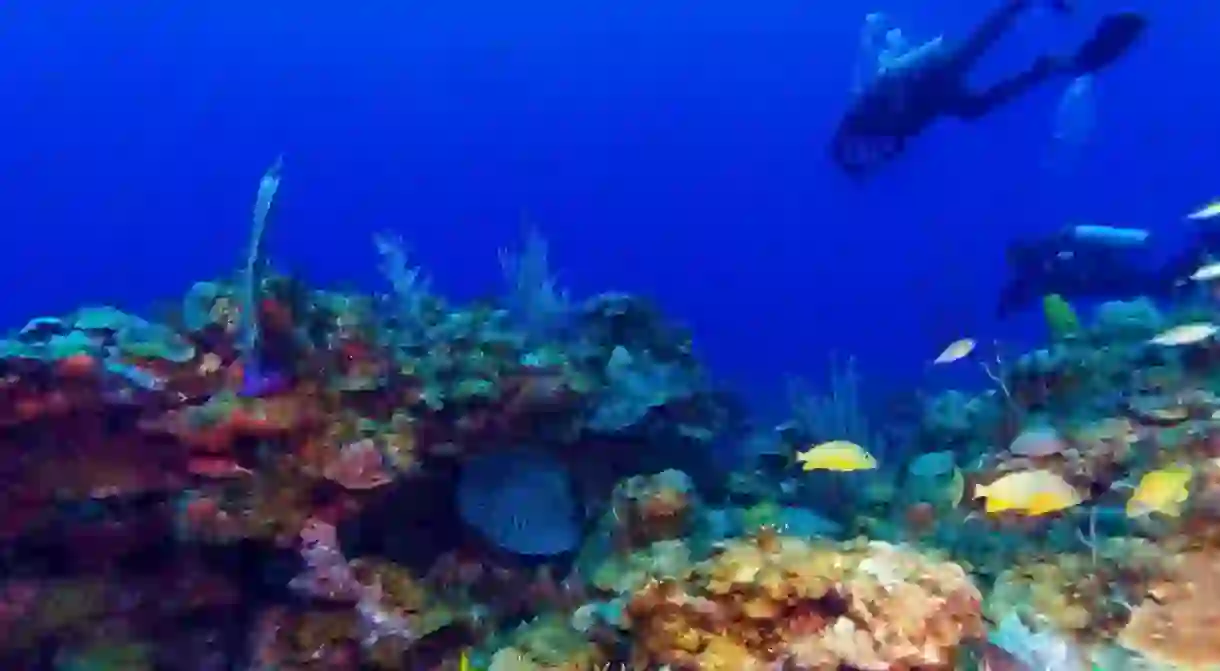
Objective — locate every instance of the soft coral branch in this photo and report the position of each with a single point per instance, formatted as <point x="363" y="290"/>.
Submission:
<point x="534" y="299"/>
<point x="328" y="575"/>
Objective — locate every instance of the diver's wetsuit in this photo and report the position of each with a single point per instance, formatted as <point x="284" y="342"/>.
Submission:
<point x="1059" y="264"/>
<point x="902" y="101"/>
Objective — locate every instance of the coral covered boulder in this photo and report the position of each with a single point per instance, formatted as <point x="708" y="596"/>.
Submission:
<point x="771" y="600"/>
<point x="1176" y="624"/>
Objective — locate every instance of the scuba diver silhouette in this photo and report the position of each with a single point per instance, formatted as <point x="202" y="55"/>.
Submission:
<point x="1099" y="263"/>
<point x="930" y="82"/>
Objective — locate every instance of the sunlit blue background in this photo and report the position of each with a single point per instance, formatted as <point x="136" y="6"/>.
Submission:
<point x="669" y="147"/>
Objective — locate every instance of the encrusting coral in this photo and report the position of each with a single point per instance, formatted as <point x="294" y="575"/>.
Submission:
<point x="1176" y="622"/>
<point x="1087" y="597"/>
<point x="546" y="643"/>
<point x="650" y="508"/>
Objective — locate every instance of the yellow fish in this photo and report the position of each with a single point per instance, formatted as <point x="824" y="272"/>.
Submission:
<point x="837" y="455"/>
<point x="1163" y="491"/>
<point x="464" y="662"/>
<point x="1035" y="492"/>
<point x="958" y="349"/>
<point x="1208" y="211"/>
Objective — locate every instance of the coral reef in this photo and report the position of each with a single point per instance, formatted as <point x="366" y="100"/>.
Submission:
<point x="773" y="599"/>
<point x="300" y="443"/>
<point x="276" y="476"/>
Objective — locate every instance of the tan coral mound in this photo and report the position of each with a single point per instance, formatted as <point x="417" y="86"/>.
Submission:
<point x="758" y="602"/>
<point x="1177" y="623"/>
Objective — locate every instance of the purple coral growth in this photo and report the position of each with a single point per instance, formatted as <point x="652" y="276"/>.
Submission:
<point x="327" y="572"/>
<point x="328" y="575"/>
<point x="257" y="382"/>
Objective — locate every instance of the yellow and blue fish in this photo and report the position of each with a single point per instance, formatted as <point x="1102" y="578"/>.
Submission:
<point x="1162" y="491"/>
<point x="836" y="455"/>
<point x="1036" y="492"/>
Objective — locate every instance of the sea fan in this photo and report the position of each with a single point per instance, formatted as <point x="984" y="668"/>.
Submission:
<point x="521" y="500"/>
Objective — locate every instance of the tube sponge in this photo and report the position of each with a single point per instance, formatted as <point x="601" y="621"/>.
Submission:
<point x="252" y="271"/>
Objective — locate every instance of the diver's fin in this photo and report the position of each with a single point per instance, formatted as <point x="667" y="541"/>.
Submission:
<point x="1061" y="6"/>
<point x="1113" y="38"/>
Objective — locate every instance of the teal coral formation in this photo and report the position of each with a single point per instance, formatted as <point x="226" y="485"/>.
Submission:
<point x="531" y="483"/>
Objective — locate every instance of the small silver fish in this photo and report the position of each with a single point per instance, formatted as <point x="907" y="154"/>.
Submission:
<point x="1186" y="334"/>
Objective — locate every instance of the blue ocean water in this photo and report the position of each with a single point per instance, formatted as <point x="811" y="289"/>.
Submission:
<point x="673" y="149"/>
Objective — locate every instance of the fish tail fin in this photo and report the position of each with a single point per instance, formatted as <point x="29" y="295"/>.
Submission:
<point x="1111" y="40"/>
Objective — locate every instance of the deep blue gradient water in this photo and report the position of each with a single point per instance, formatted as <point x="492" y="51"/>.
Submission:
<point x="671" y="148"/>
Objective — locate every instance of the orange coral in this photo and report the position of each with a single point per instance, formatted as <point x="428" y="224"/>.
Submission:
<point x="80" y="456"/>
<point x="772" y="599"/>
<point x="216" y="426"/>
<point x="400" y="444"/>
<point x="77" y="366"/>
<point x="273" y="508"/>
<point x="905" y="610"/>
<point x="651" y="508"/>
<point x="358" y="466"/>
<point x="322" y="640"/>
<point x="1176" y="624"/>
